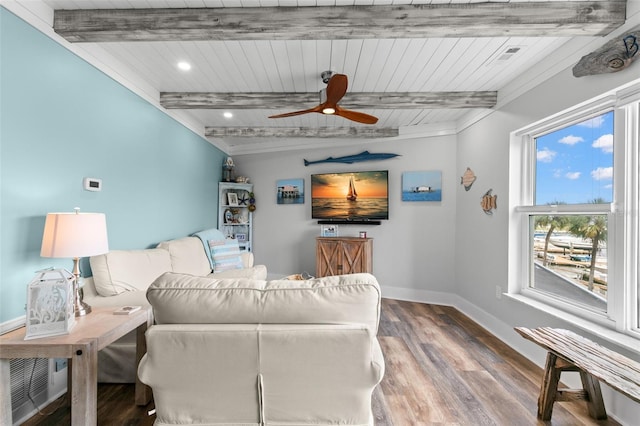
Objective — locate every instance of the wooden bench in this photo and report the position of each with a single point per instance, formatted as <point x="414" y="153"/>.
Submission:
<point x="568" y="351"/>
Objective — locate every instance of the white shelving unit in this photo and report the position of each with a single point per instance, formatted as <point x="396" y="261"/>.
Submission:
<point x="236" y="221"/>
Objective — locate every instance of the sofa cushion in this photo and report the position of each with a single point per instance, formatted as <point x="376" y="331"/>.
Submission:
<point x="225" y="255"/>
<point x="187" y="256"/>
<point x="257" y="272"/>
<point x="342" y="299"/>
<point x="128" y="270"/>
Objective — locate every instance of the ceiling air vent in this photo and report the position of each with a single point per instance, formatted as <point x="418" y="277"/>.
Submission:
<point x="501" y="56"/>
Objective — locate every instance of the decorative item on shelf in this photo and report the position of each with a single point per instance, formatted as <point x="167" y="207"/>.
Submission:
<point x="488" y="202"/>
<point x="241" y="237"/>
<point x="252" y="202"/>
<point x="242" y="179"/>
<point x="363" y="234"/>
<point x="50" y="297"/>
<point x="243" y="199"/>
<point x="228" y="216"/>
<point x="235" y="213"/>
<point x="227" y="170"/>
<point x="232" y="198"/>
<point x="75" y="235"/>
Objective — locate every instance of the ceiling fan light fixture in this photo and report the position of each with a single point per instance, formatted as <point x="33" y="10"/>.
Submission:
<point x="328" y="110"/>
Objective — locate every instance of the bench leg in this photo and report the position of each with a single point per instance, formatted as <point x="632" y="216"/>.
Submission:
<point x="549" y="388"/>
<point x="595" y="404"/>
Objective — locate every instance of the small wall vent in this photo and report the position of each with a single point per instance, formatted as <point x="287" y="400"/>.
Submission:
<point x="29" y="379"/>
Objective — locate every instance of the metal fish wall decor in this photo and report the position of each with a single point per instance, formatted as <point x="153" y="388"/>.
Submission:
<point x="467" y="179"/>
<point x="488" y="202"/>
<point x="350" y="159"/>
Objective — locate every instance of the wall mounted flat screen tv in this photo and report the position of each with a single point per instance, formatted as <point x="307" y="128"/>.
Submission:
<point x="351" y="196"/>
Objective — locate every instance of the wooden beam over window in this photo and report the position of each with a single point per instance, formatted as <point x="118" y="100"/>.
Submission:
<point x="289" y="101"/>
<point x="488" y="19"/>
<point x="300" y="132"/>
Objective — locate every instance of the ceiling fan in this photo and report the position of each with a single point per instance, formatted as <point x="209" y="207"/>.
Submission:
<point x="336" y="88"/>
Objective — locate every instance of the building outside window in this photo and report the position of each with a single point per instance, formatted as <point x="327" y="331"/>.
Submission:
<point x="574" y="193"/>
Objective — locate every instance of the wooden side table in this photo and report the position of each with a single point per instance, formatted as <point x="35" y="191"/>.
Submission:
<point x="91" y="333"/>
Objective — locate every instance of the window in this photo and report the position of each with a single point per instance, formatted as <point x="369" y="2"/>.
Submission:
<point x="574" y="192"/>
<point x="573" y="168"/>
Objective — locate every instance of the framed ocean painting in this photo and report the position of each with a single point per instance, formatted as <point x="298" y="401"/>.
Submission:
<point x="422" y="186"/>
<point x="290" y="191"/>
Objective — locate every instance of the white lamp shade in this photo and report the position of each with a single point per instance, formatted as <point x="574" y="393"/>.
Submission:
<point x="72" y="235"/>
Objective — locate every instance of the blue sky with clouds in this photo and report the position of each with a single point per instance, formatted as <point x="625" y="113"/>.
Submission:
<point x="575" y="164"/>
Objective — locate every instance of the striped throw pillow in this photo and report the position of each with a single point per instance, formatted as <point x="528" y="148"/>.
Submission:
<point x="225" y="255"/>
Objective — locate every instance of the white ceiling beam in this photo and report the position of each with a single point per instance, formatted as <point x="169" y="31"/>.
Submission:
<point x="487" y="19"/>
<point x="300" y="132"/>
<point x="285" y="101"/>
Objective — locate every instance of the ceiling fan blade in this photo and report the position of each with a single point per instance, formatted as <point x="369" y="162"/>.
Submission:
<point x="359" y="117"/>
<point x="336" y="88"/>
<point x="291" y="114"/>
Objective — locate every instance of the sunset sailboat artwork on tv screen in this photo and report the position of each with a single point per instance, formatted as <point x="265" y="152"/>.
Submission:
<point x="350" y="196"/>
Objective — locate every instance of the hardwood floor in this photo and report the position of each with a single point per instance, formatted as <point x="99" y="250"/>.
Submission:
<point x="441" y="368"/>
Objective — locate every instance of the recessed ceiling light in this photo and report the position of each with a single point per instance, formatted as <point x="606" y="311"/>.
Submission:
<point x="227" y="114"/>
<point x="184" y="66"/>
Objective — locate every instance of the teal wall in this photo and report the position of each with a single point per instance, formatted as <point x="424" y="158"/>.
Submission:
<point x="61" y="119"/>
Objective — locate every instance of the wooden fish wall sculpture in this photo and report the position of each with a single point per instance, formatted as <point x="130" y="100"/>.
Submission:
<point x="488" y="202"/>
<point x="615" y="55"/>
<point x="467" y="179"/>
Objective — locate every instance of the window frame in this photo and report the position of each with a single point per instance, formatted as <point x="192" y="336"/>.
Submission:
<point x="623" y="241"/>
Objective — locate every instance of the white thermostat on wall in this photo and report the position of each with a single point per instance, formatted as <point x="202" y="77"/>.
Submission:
<point x="92" y="184"/>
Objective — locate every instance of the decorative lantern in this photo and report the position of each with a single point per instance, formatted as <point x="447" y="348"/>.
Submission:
<point x="50" y="299"/>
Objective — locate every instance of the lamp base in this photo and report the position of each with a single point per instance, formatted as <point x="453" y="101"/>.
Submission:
<point x="80" y="308"/>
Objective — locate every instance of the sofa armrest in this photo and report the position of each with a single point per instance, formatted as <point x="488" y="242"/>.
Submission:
<point x="247" y="259"/>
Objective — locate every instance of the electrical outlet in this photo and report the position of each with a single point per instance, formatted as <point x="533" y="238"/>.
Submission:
<point x="498" y="292"/>
<point x="61" y="364"/>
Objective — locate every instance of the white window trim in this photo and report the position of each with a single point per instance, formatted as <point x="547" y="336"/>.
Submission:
<point x="620" y="323"/>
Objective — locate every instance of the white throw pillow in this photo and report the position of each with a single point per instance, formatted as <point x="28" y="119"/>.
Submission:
<point x="225" y="255"/>
<point x="128" y="270"/>
<point x="187" y="256"/>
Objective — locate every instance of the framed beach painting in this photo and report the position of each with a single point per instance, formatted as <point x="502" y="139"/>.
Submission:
<point x="290" y="191"/>
<point x="422" y="186"/>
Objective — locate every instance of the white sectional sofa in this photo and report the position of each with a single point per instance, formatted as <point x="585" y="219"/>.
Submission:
<point x="121" y="277"/>
<point x="253" y="352"/>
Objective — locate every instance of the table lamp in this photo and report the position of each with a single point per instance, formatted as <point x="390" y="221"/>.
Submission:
<point x="75" y="235"/>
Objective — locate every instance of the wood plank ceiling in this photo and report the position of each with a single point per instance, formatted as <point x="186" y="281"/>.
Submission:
<point x="409" y="63"/>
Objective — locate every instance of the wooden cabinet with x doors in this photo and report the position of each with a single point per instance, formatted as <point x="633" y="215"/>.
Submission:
<point x="343" y="255"/>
